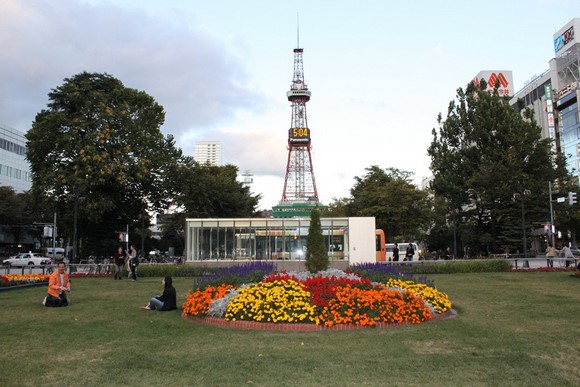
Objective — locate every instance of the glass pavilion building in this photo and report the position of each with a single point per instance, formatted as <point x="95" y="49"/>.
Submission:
<point x="347" y="239"/>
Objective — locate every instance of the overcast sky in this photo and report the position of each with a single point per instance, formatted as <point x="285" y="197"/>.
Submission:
<point x="379" y="71"/>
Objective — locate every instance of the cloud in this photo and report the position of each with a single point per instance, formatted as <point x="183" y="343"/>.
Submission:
<point x="185" y="68"/>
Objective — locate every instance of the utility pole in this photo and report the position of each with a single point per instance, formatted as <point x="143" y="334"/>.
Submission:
<point x="552" y="228"/>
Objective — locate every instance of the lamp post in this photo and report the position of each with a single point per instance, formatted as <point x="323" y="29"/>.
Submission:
<point x="75" y="216"/>
<point x="520" y="195"/>
<point x="552" y="229"/>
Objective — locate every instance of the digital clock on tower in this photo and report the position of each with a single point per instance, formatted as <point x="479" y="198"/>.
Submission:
<point x="299" y="134"/>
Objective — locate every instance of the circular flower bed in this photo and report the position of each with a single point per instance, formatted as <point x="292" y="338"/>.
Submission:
<point x="326" y="299"/>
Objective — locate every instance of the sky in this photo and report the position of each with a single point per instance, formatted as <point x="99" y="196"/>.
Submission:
<point x="380" y="72"/>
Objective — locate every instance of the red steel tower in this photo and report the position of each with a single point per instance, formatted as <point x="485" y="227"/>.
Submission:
<point x="299" y="183"/>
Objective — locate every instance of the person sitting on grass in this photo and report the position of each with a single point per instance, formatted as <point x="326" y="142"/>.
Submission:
<point x="167" y="301"/>
<point x="58" y="287"/>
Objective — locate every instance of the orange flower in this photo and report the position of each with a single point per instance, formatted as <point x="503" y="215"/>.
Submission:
<point x="198" y="302"/>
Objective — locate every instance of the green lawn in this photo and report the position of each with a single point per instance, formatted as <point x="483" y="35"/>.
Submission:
<point x="513" y="329"/>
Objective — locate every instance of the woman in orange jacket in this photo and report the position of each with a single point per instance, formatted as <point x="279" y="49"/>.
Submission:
<point x="58" y="287"/>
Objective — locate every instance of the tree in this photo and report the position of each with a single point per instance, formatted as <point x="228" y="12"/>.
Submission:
<point x="207" y="191"/>
<point x="15" y="216"/>
<point x="492" y="169"/>
<point x="316" y="255"/>
<point x="400" y="208"/>
<point x="98" y="148"/>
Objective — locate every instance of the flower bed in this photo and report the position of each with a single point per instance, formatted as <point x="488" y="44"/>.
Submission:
<point x="326" y="299"/>
<point x="13" y="280"/>
<point x="7" y="280"/>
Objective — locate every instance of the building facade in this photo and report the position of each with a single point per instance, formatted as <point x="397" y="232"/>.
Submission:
<point x="553" y="96"/>
<point x="14" y="168"/>
<point x="347" y="239"/>
<point x="208" y="152"/>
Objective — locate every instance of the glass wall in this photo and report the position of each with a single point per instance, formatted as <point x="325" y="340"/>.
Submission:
<point x="261" y="238"/>
<point x="570" y="136"/>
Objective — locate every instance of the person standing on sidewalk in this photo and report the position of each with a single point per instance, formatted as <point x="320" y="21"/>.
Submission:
<point x="567" y="253"/>
<point x="133" y="262"/>
<point x="410" y="252"/>
<point x="550" y="255"/>
<point x="119" y="259"/>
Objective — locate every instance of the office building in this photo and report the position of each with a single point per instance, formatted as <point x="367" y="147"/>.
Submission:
<point x="208" y="152"/>
<point x="14" y="168"/>
<point x="553" y="96"/>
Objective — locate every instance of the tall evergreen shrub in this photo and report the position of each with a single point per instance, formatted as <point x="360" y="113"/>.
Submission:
<point x="316" y="256"/>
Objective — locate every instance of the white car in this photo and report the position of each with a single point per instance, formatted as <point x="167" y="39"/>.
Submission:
<point x="27" y="259"/>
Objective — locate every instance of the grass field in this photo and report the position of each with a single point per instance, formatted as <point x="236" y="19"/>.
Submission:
<point x="513" y="329"/>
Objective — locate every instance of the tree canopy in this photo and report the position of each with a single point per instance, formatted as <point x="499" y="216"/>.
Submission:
<point x="401" y="209"/>
<point x="489" y="161"/>
<point x="208" y="191"/>
<point x="98" y="144"/>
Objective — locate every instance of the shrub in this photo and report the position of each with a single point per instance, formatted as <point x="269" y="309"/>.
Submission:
<point x="316" y="255"/>
<point x="162" y="270"/>
<point x="476" y="266"/>
<point x="380" y="272"/>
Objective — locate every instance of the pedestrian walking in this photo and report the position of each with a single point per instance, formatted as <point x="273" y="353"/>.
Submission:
<point x="119" y="263"/>
<point x="410" y="252"/>
<point x="133" y="262"/>
<point x="396" y="253"/>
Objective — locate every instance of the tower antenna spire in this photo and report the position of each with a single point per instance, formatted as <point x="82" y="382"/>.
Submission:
<point x="297" y="30"/>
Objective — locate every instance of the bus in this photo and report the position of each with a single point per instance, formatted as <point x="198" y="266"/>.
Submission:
<point x="381" y="253"/>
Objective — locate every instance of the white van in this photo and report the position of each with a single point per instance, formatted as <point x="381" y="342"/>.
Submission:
<point x="56" y="253"/>
<point x="402" y="251"/>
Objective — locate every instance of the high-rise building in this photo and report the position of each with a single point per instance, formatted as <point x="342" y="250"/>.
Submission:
<point x="564" y="70"/>
<point x="14" y="168"/>
<point x="553" y="96"/>
<point x="208" y="152"/>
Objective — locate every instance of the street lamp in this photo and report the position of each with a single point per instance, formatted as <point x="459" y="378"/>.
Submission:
<point x="520" y="195"/>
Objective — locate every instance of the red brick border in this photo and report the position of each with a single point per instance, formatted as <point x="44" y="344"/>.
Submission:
<point x="253" y="325"/>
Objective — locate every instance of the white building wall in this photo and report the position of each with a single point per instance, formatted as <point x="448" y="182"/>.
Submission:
<point x="361" y="238"/>
<point x="14" y="168"/>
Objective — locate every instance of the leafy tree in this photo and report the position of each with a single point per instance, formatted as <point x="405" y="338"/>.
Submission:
<point x="489" y="162"/>
<point x="400" y="208"/>
<point x="14" y="213"/>
<point x="338" y="208"/>
<point x="316" y="256"/>
<point x="19" y="212"/>
<point x="208" y="191"/>
<point x="98" y="148"/>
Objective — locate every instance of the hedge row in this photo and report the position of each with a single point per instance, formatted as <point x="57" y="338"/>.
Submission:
<point x="426" y="267"/>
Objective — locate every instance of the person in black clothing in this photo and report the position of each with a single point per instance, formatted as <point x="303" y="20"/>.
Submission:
<point x="119" y="259"/>
<point x="396" y="252"/>
<point x="409" y="253"/>
<point x="167" y="301"/>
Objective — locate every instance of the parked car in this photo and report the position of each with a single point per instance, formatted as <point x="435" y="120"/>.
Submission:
<point x="27" y="259"/>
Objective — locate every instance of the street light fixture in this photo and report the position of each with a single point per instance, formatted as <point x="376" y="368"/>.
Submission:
<point x="520" y="195"/>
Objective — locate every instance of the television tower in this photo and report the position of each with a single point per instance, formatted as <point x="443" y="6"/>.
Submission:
<point x="299" y="183"/>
